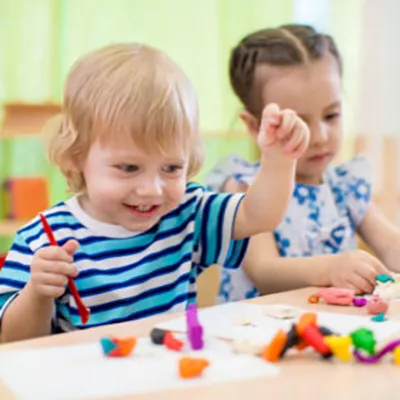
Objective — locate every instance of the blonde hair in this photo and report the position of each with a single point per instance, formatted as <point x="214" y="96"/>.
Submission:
<point x="124" y="89"/>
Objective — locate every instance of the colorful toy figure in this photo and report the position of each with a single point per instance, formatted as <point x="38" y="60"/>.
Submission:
<point x="360" y="343"/>
<point x="161" y="336"/>
<point x="194" y="329"/>
<point x="114" y="347"/>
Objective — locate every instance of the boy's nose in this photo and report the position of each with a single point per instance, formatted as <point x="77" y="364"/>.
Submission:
<point x="150" y="188"/>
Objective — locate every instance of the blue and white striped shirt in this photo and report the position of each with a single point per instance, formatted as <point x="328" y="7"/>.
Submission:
<point x="126" y="275"/>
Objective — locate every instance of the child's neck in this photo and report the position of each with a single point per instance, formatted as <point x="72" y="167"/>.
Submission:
<point x="310" y="180"/>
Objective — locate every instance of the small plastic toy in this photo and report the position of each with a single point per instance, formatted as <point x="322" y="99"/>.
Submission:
<point x="161" y="337"/>
<point x="192" y="367"/>
<point x="377" y="305"/>
<point x="172" y="343"/>
<point x="114" y="347"/>
<point x="194" y="329"/>
<point x="157" y="335"/>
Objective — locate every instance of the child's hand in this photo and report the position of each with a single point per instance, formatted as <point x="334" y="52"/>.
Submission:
<point x="356" y="270"/>
<point x="282" y="131"/>
<point x="50" y="269"/>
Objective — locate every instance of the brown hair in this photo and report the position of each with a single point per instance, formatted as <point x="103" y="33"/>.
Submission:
<point x="125" y="89"/>
<point x="288" y="45"/>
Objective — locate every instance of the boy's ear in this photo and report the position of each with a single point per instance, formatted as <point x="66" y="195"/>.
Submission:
<point x="251" y="122"/>
<point x="74" y="164"/>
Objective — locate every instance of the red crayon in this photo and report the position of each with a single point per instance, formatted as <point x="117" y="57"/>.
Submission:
<point x="84" y="312"/>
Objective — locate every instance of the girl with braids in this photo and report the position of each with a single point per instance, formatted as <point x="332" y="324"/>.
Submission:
<point x="300" y="69"/>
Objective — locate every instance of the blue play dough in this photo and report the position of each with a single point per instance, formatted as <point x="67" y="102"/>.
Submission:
<point x="378" y="318"/>
<point x="107" y="345"/>
<point x="384" y="278"/>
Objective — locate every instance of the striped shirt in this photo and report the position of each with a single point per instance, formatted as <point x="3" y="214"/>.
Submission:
<point x="125" y="275"/>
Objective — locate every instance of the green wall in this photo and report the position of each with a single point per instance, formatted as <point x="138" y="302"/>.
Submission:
<point x="40" y="39"/>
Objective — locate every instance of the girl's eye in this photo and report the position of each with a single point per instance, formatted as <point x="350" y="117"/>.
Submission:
<point x="127" y="168"/>
<point x="332" y="116"/>
<point x="171" y="169"/>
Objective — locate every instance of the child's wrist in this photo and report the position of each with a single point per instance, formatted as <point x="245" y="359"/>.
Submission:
<point x="278" y="162"/>
<point x="36" y="298"/>
<point x="323" y="276"/>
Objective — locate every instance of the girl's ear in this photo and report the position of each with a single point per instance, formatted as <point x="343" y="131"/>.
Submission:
<point x="251" y="122"/>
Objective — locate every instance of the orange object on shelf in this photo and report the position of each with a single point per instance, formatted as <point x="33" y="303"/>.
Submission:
<point x="25" y="197"/>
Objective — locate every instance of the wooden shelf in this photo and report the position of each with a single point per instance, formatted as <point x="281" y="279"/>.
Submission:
<point x="24" y="119"/>
<point x="10" y="227"/>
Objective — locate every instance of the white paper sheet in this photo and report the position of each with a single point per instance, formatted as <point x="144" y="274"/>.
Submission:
<point x="220" y="321"/>
<point x="83" y="372"/>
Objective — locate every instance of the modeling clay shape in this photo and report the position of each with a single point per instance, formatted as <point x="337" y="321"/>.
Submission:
<point x="194" y="328"/>
<point x="363" y="339"/>
<point x="359" y="301"/>
<point x="340" y="346"/>
<point x="336" y="296"/>
<point x="192" y="367"/>
<point x="377" y="305"/>
<point x="114" y="347"/>
<point x="379" y="317"/>
<point x="384" y="278"/>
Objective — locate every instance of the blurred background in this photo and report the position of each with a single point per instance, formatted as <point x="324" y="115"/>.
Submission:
<point x="41" y="39"/>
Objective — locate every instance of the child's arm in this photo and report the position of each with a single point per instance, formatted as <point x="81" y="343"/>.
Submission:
<point x="382" y="236"/>
<point x="29" y="314"/>
<point x="271" y="273"/>
<point x="283" y="137"/>
<point x="26" y="317"/>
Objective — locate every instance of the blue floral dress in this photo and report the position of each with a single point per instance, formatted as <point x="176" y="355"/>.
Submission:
<point x="319" y="219"/>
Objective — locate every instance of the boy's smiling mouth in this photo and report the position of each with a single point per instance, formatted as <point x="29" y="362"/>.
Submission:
<point x="143" y="211"/>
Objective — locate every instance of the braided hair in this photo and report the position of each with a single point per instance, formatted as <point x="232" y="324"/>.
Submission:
<point x="288" y="45"/>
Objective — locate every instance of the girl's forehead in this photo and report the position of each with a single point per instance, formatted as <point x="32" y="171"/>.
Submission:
<point x="315" y="86"/>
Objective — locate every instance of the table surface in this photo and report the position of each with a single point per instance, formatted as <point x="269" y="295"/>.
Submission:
<point x="302" y="377"/>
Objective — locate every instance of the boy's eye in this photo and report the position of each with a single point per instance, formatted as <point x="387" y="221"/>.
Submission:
<point x="127" y="168"/>
<point x="170" y="169"/>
